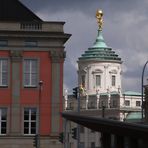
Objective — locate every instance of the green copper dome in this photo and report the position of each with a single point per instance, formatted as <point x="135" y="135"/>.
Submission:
<point x="100" y="51"/>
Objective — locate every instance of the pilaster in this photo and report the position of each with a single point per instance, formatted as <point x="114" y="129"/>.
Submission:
<point x="57" y="59"/>
<point x="16" y="59"/>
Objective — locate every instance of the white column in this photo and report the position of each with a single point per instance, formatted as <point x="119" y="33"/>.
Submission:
<point x="86" y="138"/>
<point x="98" y="96"/>
<point x="66" y="98"/>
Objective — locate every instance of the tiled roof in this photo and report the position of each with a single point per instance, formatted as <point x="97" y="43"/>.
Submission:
<point x="14" y="10"/>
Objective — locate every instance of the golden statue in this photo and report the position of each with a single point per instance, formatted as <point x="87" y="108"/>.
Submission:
<point x="99" y="16"/>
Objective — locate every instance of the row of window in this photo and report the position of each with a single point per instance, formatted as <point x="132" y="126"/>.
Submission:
<point x="98" y="80"/>
<point x="30" y="121"/>
<point x="30" y="72"/>
<point x="128" y="103"/>
<point x="4" y="43"/>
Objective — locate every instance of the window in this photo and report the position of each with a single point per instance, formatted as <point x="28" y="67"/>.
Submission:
<point x="113" y="80"/>
<point x="127" y="103"/>
<point x="30" y="120"/>
<point x="31" y="43"/>
<point x="3" y="121"/>
<point x="138" y="103"/>
<point x="81" y="129"/>
<point x="83" y="80"/>
<point x="98" y="80"/>
<point x="3" y="42"/>
<point x="102" y="104"/>
<point x="30" y="73"/>
<point x="92" y="144"/>
<point x="81" y="144"/>
<point x="115" y="103"/>
<point x="3" y="72"/>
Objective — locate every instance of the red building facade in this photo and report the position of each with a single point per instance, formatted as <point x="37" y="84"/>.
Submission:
<point x="31" y="51"/>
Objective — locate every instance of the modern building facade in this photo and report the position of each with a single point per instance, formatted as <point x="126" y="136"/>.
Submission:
<point x="100" y="75"/>
<point x="31" y="77"/>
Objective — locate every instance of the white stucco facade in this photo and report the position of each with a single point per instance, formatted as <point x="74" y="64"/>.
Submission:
<point x="88" y="72"/>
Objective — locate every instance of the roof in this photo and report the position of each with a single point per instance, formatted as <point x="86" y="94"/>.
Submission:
<point x="134" y="117"/>
<point x="100" y="51"/>
<point x="109" y="126"/>
<point x="131" y="93"/>
<point x="14" y="10"/>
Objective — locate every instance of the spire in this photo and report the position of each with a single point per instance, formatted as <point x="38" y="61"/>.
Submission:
<point x="99" y="43"/>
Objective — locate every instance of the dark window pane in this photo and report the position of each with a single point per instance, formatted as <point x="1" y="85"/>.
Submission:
<point x="26" y="111"/>
<point x="26" y="131"/>
<point x="33" y="111"/>
<point x="34" y="79"/>
<point x="26" y="79"/>
<point x="33" y="124"/>
<point x="27" y="66"/>
<point x="4" y="114"/>
<point x="5" y="65"/>
<point x="26" y="117"/>
<point x="26" y="124"/>
<point x="33" y="131"/>
<point x="3" y="124"/>
<point x="3" y="130"/>
<point x="4" y="78"/>
<point x="3" y="42"/>
<point x="30" y="43"/>
<point x="34" y="66"/>
<point x="33" y="117"/>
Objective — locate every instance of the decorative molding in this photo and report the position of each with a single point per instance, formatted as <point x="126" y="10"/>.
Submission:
<point x="97" y="71"/>
<point x="57" y="56"/>
<point x="113" y="71"/>
<point x="16" y="55"/>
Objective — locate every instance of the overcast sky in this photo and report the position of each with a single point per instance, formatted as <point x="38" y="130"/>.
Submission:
<point x="125" y="30"/>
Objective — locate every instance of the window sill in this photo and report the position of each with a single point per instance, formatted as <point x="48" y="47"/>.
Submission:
<point x="3" y="86"/>
<point x="30" y="86"/>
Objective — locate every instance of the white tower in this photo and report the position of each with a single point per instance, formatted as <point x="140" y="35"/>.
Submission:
<point x="99" y="68"/>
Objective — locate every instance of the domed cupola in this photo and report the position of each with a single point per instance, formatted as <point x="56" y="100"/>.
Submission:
<point x="99" y="68"/>
<point x="100" y="51"/>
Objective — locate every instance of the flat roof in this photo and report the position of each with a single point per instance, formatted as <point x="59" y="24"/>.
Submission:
<point x="134" y="130"/>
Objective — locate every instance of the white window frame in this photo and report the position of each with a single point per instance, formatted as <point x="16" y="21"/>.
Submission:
<point x="30" y="73"/>
<point x="30" y="121"/>
<point x="2" y="72"/>
<point x="3" y="121"/>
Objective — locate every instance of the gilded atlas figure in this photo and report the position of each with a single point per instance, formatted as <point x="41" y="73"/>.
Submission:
<point x="99" y="16"/>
